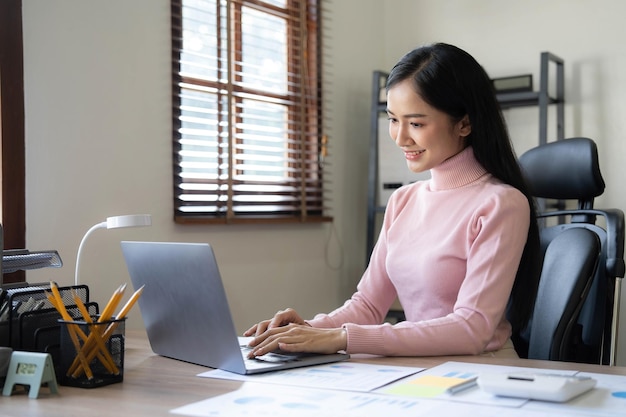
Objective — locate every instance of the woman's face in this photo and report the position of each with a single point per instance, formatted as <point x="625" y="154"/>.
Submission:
<point x="426" y="135"/>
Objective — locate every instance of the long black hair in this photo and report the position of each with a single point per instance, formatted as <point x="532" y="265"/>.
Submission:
<point x="452" y="81"/>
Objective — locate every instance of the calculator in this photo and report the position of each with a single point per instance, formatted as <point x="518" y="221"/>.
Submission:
<point x="536" y="386"/>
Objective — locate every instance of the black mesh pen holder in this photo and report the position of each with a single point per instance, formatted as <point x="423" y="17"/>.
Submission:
<point x="92" y="354"/>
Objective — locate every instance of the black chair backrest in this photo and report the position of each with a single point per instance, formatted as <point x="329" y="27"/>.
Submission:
<point x="569" y="170"/>
<point x="564" y="170"/>
<point x="569" y="265"/>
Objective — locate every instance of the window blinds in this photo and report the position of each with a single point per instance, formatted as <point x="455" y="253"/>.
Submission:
<point x="248" y="131"/>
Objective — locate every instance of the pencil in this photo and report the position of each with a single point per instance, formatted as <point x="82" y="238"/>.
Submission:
<point x="74" y="369"/>
<point x="113" y="302"/>
<point x="102" y="352"/>
<point x="130" y="303"/>
<point x="112" y="326"/>
<point x="72" y="330"/>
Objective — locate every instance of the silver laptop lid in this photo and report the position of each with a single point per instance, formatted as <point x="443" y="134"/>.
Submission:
<point x="183" y="304"/>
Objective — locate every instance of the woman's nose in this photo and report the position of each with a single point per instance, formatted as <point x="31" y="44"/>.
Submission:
<point x="401" y="136"/>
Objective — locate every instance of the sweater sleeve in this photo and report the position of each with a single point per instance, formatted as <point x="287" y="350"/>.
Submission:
<point x="495" y="237"/>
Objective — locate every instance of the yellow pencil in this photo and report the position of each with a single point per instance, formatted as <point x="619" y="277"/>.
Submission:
<point x="111" y="328"/>
<point x="75" y="369"/>
<point x="72" y="330"/>
<point x="102" y="352"/>
<point x="130" y="303"/>
<point x="112" y="304"/>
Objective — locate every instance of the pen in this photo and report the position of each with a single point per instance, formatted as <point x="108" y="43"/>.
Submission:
<point x="27" y="306"/>
<point x="38" y="306"/>
<point x="462" y="386"/>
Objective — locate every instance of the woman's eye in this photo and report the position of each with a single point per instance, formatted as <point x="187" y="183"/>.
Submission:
<point x="416" y="124"/>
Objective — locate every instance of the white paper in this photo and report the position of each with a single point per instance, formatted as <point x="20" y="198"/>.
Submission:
<point x="260" y="400"/>
<point x="433" y="382"/>
<point x="399" y="398"/>
<point x="346" y="375"/>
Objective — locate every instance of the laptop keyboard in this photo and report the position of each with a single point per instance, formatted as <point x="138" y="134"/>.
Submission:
<point x="271" y="357"/>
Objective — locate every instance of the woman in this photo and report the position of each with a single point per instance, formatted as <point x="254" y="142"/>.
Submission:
<point x="458" y="250"/>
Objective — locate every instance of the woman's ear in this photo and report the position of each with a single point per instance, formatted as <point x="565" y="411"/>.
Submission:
<point x="465" y="127"/>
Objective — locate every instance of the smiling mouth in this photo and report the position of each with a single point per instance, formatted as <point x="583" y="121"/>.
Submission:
<point x="414" y="153"/>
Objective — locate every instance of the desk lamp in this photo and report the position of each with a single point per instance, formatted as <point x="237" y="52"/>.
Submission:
<point x="131" y="220"/>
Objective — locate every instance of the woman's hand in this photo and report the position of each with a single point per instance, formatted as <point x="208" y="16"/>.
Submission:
<point x="299" y="338"/>
<point x="282" y="318"/>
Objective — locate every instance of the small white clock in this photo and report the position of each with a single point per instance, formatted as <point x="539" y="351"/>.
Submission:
<point x="30" y="368"/>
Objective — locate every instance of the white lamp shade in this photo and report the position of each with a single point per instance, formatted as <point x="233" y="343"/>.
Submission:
<point x="131" y="220"/>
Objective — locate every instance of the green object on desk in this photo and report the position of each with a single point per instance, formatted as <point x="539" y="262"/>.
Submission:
<point x="33" y="369"/>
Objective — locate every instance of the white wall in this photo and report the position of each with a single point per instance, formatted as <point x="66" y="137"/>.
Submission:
<point x="98" y="144"/>
<point x="98" y="130"/>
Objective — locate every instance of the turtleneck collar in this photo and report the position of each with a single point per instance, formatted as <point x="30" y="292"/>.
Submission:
<point x="460" y="170"/>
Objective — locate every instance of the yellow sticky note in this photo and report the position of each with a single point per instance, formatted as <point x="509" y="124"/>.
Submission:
<point x="437" y="381"/>
<point x="426" y="386"/>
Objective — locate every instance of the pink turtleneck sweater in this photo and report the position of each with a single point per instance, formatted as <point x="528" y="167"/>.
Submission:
<point x="449" y="249"/>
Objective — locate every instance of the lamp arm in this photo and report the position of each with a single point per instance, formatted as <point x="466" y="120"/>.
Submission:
<point x="102" y="225"/>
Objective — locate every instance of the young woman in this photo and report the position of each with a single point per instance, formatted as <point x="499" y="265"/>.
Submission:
<point x="459" y="250"/>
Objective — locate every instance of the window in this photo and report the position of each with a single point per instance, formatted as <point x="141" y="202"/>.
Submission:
<point x="248" y="133"/>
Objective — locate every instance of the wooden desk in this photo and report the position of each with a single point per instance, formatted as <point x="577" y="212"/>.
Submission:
<point x="153" y="385"/>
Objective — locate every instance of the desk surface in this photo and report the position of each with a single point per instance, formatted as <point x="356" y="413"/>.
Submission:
<point x="153" y="385"/>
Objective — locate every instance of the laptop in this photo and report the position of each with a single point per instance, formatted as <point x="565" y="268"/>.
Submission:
<point x="186" y="313"/>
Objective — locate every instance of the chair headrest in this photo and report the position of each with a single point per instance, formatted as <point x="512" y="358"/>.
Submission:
<point x="567" y="169"/>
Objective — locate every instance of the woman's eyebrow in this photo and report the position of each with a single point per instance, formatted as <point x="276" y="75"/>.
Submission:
<point x="411" y="115"/>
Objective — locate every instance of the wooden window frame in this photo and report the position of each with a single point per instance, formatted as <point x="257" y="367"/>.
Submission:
<point x="310" y="146"/>
<point x="12" y="136"/>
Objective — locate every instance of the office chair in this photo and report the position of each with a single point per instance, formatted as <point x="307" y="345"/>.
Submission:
<point x="569" y="266"/>
<point x="569" y="170"/>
